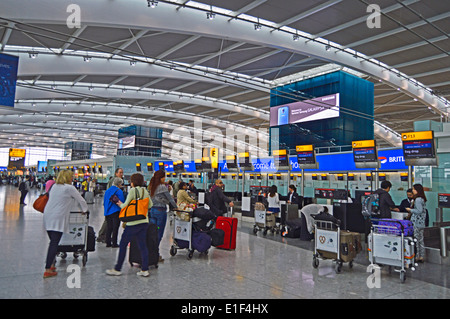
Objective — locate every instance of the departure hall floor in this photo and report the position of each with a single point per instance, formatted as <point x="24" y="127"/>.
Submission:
<point x="261" y="267"/>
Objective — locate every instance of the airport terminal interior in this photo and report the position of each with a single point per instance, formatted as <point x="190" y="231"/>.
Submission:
<point x="334" y="99"/>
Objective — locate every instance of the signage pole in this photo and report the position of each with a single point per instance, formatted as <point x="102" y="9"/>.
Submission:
<point x="410" y="177"/>
<point x="303" y="182"/>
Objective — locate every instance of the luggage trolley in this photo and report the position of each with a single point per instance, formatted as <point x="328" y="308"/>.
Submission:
<point x="76" y="240"/>
<point x="182" y="230"/>
<point x="327" y="240"/>
<point x="390" y="247"/>
<point x="265" y="222"/>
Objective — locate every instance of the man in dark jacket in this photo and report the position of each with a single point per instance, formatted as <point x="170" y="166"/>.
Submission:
<point x="406" y="203"/>
<point x="217" y="199"/>
<point x="385" y="200"/>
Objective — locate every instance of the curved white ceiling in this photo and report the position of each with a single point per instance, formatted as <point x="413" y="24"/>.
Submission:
<point x="143" y="103"/>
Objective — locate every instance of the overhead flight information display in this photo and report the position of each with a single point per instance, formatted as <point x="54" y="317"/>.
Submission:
<point x="364" y="151"/>
<point x="281" y="158"/>
<point x="417" y="145"/>
<point x="305" y="154"/>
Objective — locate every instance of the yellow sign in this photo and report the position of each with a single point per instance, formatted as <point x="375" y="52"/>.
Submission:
<point x="279" y="152"/>
<point x="214" y="154"/>
<point x="361" y="144"/>
<point x="416" y="136"/>
<point x="16" y="152"/>
<point x="230" y="157"/>
<point x="304" y="148"/>
<point x="246" y="154"/>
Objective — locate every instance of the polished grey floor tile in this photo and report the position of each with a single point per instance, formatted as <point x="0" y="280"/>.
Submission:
<point x="262" y="267"/>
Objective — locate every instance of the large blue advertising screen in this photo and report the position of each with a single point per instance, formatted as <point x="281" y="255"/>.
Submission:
<point x="8" y="79"/>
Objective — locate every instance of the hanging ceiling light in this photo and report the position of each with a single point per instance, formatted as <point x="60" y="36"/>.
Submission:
<point x="152" y="3"/>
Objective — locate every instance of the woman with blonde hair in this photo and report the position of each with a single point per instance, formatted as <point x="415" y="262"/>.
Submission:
<point x="63" y="198"/>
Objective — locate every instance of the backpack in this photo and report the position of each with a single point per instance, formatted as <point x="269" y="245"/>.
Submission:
<point x="22" y="186"/>
<point x="371" y="206"/>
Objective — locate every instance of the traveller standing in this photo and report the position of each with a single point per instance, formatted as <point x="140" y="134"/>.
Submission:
<point x="135" y="229"/>
<point x="112" y="210"/>
<point x="161" y="197"/>
<point x="63" y="199"/>
<point x="417" y="215"/>
<point x="386" y="202"/>
<point x="102" y="232"/>
<point x="218" y="200"/>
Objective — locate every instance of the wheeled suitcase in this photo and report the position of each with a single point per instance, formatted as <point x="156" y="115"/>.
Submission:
<point x="229" y="226"/>
<point x="152" y="246"/>
<point x="89" y="197"/>
<point x="349" y="248"/>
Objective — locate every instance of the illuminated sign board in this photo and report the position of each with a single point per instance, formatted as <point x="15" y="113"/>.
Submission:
<point x="281" y="158"/>
<point x="365" y="151"/>
<point x="305" y="154"/>
<point x="16" y="159"/>
<point x="418" y="145"/>
<point x="320" y="108"/>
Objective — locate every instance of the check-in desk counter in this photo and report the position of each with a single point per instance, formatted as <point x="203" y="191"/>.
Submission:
<point x="351" y="217"/>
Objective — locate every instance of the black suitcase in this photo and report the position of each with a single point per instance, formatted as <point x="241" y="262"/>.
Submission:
<point x="217" y="236"/>
<point x="134" y="255"/>
<point x="91" y="239"/>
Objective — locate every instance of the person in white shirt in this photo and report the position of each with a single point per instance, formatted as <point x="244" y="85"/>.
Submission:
<point x="63" y="198"/>
<point x="273" y="200"/>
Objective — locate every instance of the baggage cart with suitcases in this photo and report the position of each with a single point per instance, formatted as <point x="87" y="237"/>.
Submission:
<point x="184" y="235"/>
<point x="80" y="239"/>
<point x="332" y="243"/>
<point x="265" y="221"/>
<point x="134" y="255"/>
<point x="389" y="246"/>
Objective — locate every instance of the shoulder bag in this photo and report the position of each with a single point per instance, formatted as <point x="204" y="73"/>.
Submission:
<point x="40" y="202"/>
<point x="136" y="210"/>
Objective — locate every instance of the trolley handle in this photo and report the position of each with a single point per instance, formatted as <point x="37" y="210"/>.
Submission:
<point x="82" y="213"/>
<point x="183" y="211"/>
<point x="376" y="220"/>
<point x="329" y="223"/>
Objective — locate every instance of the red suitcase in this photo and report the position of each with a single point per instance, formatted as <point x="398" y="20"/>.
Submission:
<point x="229" y="226"/>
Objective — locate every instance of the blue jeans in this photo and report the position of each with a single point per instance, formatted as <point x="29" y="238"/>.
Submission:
<point x="158" y="216"/>
<point x="55" y="237"/>
<point x="140" y="232"/>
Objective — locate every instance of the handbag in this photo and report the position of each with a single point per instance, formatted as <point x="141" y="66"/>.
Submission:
<point x="114" y="199"/>
<point x="40" y="202"/>
<point x="136" y="210"/>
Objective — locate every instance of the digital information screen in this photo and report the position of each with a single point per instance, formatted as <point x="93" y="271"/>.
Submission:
<point x="8" y="78"/>
<point x="364" y="151"/>
<point x="244" y="160"/>
<point x="320" y="108"/>
<point x="231" y="161"/>
<point x="418" y="145"/>
<point x="305" y="154"/>
<point x="16" y="159"/>
<point x="280" y="158"/>
<point x="444" y="200"/>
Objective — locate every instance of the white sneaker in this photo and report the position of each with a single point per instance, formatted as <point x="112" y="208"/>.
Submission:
<point x="113" y="272"/>
<point x="143" y="273"/>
